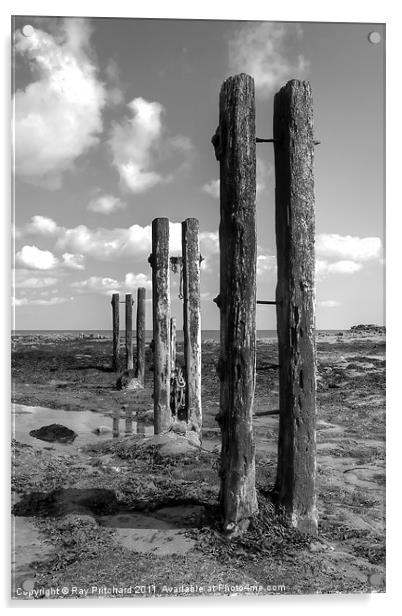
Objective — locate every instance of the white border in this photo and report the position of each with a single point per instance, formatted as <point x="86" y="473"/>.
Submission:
<point x="341" y="11"/>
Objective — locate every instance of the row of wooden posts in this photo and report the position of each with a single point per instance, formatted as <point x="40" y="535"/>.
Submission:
<point x="235" y="143"/>
<point x="140" y="333"/>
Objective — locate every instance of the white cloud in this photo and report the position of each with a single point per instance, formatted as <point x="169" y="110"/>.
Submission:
<point x="329" y="303"/>
<point x="265" y="263"/>
<point x="52" y="301"/>
<point x="106" y="204"/>
<point x="212" y="188"/>
<point x="268" y="52"/>
<point x="134" y="281"/>
<point x="106" y="285"/>
<point x="347" y="247"/>
<point x="58" y="116"/>
<point x="74" y="262"/>
<point x="32" y="257"/>
<point x="139" y="143"/>
<point x="97" y="284"/>
<point x="323" y="267"/>
<point x="24" y="279"/>
<point x="40" y="225"/>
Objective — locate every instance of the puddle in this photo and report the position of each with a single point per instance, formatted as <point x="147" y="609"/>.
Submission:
<point x="84" y="423"/>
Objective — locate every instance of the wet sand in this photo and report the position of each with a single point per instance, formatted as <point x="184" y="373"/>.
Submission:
<point x="159" y="527"/>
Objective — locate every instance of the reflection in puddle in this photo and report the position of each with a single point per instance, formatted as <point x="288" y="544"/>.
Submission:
<point x="89" y="425"/>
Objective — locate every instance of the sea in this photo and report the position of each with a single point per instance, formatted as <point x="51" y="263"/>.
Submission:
<point x="206" y="334"/>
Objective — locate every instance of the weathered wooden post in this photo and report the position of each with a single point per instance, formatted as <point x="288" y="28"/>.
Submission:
<point x="116" y="333"/>
<point x="129" y="421"/>
<point x="116" y="423"/>
<point x="140" y="333"/>
<point x="161" y="323"/>
<point x="295" y="295"/>
<point x="192" y="322"/>
<point x="235" y="148"/>
<point x="173" y="335"/>
<point x="129" y="332"/>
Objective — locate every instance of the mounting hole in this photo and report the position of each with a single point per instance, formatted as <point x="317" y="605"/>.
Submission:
<point x="28" y="30"/>
<point x="374" y="38"/>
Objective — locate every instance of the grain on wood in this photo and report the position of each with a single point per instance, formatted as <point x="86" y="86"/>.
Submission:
<point x="295" y="296"/>
<point x="192" y="322"/>
<point x="140" y="335"/>
<point x="235" y="147"/>
<point x="161" y="323"/>
<point x="116" y="333"/>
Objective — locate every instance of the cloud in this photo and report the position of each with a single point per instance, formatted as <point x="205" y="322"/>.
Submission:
<point x="74" y="262"/>
<point x="104" y="244"/>
<point x="269" y="53"/>
<point x="139" y="143"/>
<point x="329" y="303"/>
<point x="338" y="267"/>
<point x="265" y="263"/>
<point x="134" y="281"/>
<point x="58" y="116"/>
<point x="40" y="225"/>
<point x="347" y="247"/>
<point x="24" y="279"/>
<point x="106" y="204"/>
<point x="212" y="188"/>
<point x="32" y="257"/>
<point x="97" y="284"/>
<point x="106" y="286"/>
<point x="52" y="301"/>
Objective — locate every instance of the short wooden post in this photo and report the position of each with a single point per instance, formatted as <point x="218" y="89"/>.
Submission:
<point x="235" y="147"/>
<point x="116" y="332"/>
<point x="129" y="421"/>
<point x="161" y="323"/>
<point x="173" y="335"/>
<point x="192" y="322"/>
<point x="295" y="295"/>
<point x="140" y="332"/>
<point x="116" y="423"/>
<point x="129" y="332"/>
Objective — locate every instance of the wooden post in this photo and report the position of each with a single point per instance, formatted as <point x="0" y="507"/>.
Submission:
<point x="140" y="332"/>
<point x="129" y="421"/>
<point x="116" y="423"/>
<point x="235" y="147"/>
<point x="161" y="323"/>
<point x="129" y="332"/>
<point x="192" y="322"/>
<point x="116" y="333"/>
<point x="295" y="295"/>
<point x="172" y="344"/>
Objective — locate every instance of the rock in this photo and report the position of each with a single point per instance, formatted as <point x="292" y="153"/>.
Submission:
<point x="180" y="427"/>
<point x="127" y="380"/>
<point x="54" y="433"/>
<point x="102" y="430"/>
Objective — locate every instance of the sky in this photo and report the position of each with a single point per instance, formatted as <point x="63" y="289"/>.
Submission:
<point x="113" y="120"/>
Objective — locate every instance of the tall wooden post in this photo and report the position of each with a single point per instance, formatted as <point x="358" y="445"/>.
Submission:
<point x="295" y="295"/>
<point x="116" y="333"/>
<point x="192" y="322"/>
<point x="129" y="332"/>
<point x="161" y="323"/>
<point x="235" y="148"/>
<point x="173" y="329"/>
<point x="140" y="333"/>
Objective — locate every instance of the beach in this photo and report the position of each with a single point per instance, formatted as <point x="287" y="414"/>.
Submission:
<point x="132" y="512"/>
